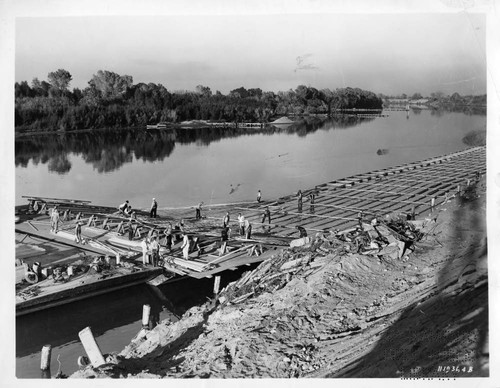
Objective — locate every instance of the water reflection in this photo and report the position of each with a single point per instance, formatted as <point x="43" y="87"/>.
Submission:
<point x="109" y="150"/>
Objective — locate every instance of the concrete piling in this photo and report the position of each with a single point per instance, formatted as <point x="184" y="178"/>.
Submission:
<point x="216" y="285"/>
<point x="146" y="311"/>
<point x="45" y="361"/>
<point x="91" y="348"/>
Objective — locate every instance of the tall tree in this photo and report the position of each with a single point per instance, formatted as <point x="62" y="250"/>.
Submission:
<point x="203" y="91"/>
<point x="109" y="84"/>
<point x="59" y="79"/>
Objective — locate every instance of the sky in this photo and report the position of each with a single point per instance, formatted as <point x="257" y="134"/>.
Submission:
<point x="385" y="53"/>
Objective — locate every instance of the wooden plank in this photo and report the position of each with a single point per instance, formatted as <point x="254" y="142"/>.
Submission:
<point x="226" y="256"/>
<point x="198" y="267"/>
<point x="33" y="226"/>
<point x="381" y="199"/>
<point x="79" y="201"/>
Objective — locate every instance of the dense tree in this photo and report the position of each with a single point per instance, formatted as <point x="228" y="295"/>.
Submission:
<point x="112" y="100"/>
<point x="22" y="90"/>
<point x="40" y="88"/>
<point x="437" y="95"/>
<point x="255" y="92"/>
<point x="110" y="85"/>
<point x="60" y="79"/>
<point x="203" y="91"/>
<point x="241" y="92"/>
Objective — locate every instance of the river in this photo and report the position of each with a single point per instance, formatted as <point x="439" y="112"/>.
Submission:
<point x="182" y="167"/>
<point x="115" y="318"/>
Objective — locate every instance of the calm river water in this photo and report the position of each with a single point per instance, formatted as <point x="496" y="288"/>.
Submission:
<point x="184" y="167"/>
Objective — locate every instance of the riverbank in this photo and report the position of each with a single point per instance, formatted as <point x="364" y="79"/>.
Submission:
<point x="352" y="315"/>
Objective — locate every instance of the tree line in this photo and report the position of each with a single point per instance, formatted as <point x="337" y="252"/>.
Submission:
<point x="113" y="101"/>
<point x="437" y="100"/>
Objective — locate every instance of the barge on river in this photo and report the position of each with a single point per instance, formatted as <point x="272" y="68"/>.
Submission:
<point x="108" y="257"/>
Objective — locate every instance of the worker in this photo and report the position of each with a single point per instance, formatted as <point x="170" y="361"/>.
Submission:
<point x="145" y="251"/>
<point x="267" y="214"/>
<point x="259" y="196"/>
<point x="130" y="225"/>
<point x="312" y="196"/>
<point x="155" y="251"/>
<point x="225" y="221"/>
<point x="54" y="220"/>
<point x="433" y="203"/>
<point x="168" y="237"/>
<point x="128" y="211"/>
<point x="185" y="246"/>
<point x="177" y="232"/>
<point x="302" y="231"/>
<point x="248" y="230"/>
<point x="360" y="220"/>
<point x="78" y="233"/>
<point x="241" y="221"/>
<point x="198" y="210"/>
<point x="123" y="207"/>
<point x="224" y="236"/>
<point x="154" y="207"/>
<point x="299" y="201"/>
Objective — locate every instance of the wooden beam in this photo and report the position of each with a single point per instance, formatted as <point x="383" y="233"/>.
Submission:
<point x="79" y="201"/>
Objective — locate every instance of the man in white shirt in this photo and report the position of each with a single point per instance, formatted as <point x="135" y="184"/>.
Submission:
<point x="185" y="246"/>
<point x="241" y="220"/>
<point x="145" y="251"/>
<point x="155" y="251"/>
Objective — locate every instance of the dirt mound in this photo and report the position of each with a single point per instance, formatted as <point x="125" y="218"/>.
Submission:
<point x="283" y="120"/>
<point x="326" y="309"/>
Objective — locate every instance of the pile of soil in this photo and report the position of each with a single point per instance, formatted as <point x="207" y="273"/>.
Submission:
<point x="422" y="315"/>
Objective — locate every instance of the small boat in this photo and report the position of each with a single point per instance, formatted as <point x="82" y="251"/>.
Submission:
<point x="161" y="125"/>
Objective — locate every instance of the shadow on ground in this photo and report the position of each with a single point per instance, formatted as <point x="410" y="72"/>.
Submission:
<point x="446" y="335"/>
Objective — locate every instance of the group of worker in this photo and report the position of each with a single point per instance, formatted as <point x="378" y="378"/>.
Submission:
<point x="150" y="250"/>
<point x="300" y="198"/>
<point x="151" y="244"/>
<point x="126" y="209"/>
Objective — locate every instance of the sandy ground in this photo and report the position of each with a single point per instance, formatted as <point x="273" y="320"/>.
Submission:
<point x="424" y="315"/>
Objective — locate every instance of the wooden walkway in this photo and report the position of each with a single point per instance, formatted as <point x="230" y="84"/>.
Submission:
<point x="398" y="189"/>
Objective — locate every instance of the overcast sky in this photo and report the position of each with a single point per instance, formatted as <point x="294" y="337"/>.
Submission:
<point x="385" y="53"/>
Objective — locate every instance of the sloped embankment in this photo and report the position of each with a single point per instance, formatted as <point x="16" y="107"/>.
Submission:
<point x="321" y="311"/>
